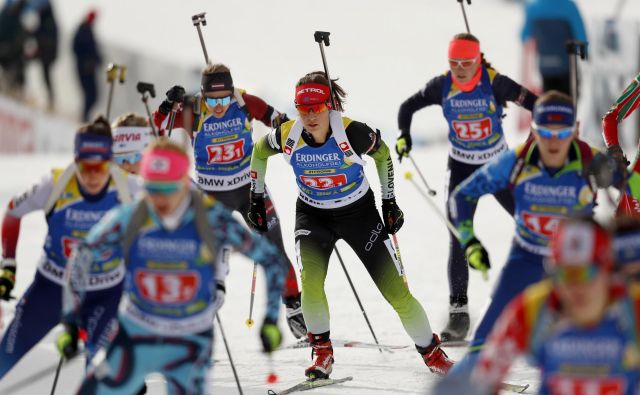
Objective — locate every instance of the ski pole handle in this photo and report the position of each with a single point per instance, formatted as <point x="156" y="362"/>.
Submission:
<point x="249" y="322"/>
<point x="322" y="38"/>
<point x="198" y="20"/>
<point x="464" y="14"/>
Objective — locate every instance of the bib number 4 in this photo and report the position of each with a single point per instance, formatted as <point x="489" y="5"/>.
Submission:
<point x="225" y="153"/>
<point x="473" y="130"/>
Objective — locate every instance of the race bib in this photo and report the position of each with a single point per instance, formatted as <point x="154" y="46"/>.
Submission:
<point x="167" y="288"/>
<point x="582" y="386"/>
<point x="543" y="225"/>
<point x="324" y="182"/>
<point x="473" y="130"/>
<point x="225" y="153"/>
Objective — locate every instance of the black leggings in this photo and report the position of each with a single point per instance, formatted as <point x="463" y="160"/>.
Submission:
<point x="458" y="271"/>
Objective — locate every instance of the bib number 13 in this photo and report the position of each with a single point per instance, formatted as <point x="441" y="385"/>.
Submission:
<point x="473" y="130"/>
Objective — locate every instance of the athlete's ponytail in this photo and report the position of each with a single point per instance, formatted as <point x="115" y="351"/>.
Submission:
<point x="318" y="77"/>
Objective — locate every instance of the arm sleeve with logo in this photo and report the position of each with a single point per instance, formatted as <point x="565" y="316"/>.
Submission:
<point x="505" y="89"/>
<point x="429" y="95"/>
<point x="31" y="200"/>
<point x="103" y="237"/>
<point x="490" y="178"/>
<point x="262" y="149"/>
<point x="624" y="106"/>
<point x="228" y="231"/>
<point x="365" y="140"/>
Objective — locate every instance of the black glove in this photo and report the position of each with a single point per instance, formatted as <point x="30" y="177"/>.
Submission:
<point x="607" y="171"/>
<point x="392" y="215"/>
<point x="279" y="120"/>
<point x="270" y="335"/>
<point x="7" y="281"/>
<point x="174" y="95"/>
<point x="403" y="145"/>
<point x="477" y="255"/>
<point x="67" y="342"/>
<point x="257" y="213"/>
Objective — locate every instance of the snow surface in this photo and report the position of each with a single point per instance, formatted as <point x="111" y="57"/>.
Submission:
<point x="383" y="52"/>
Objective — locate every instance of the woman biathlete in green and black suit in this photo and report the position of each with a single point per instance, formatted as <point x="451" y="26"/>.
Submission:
<point x="335" y="202"/>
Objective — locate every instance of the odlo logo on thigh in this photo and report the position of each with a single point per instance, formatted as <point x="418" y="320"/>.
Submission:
<point x="375" y="233"/>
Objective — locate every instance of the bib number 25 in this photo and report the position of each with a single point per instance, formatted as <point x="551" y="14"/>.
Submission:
<point x="473" y="130"/>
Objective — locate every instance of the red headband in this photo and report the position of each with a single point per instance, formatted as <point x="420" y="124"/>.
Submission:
<point x="463" y="49"/>
<point x="310" y="94"/>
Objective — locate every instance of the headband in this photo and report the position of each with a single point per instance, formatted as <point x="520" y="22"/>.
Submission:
<point x="464" y="49"/>
<point x="312" y="93"/>
<point x="554" y="113"/>
<point x="127" y="139"/>
<point x="216" y="82"/>
<point x="163" y="165"/>
<point x="89" y="146"/>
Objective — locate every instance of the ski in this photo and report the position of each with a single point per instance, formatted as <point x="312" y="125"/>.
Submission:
<point x="304" y="343"/>
<point x="455" y="343"/>
<point x="309" y="385"/>
<point x="517" y="388"/>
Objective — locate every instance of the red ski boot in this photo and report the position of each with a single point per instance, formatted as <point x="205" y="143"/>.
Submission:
<point x="436" y="360"/>
<point x="323" y="364"/>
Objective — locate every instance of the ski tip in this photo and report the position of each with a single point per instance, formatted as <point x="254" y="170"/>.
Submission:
<point x="249" y="322"/>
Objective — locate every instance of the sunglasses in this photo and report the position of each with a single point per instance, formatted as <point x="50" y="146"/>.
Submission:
<point x="547" y="133"/>
<point x="575" y="275"/>
<point x="462" y="63"/>
<point x="92" y="167"/>
<point x="314" y="108"/>
<point x="162" y="187"/>
<point x="218" y="101"/>
<point x="131" y="158"/>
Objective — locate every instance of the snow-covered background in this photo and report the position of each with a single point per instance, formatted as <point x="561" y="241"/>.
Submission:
<point x="383" y="52"/>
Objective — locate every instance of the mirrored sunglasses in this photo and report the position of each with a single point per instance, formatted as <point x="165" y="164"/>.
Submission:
<point x="162" y="188"/>
<point x="218" y="101"/>
<point x="131" y="158"/>
<point x="547" y="133"/>
<point x="312" y="108"/>
<point x="575" y="275"/>
<point x="92" y="166"/>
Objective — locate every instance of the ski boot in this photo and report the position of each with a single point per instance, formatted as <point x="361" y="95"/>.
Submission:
<point x="323" y="364"/>
<point x="436" y="360"/>
<point x="458" y="325"/>
<point x="295" y="319"/>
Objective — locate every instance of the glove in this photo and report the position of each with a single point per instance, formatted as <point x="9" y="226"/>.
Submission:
<point x="403" y="145"/>
<point x="174" y="95"/>
<point x="607" y="171"/>
<point x="477" y="256"/>
<point x="7" y="278"/>
<point x="392" y="215"/>
<point x="295" y="319"/>
<point x="257" y="213"/>
<point x="220" y="294"/>
<point x="279" y="120"/>
<point x="67" y="342"/>
<point x="270" y="335"/>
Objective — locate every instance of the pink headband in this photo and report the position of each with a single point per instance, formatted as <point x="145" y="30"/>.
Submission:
<point x="463" y="49"/>
<point x="163" y="165"/>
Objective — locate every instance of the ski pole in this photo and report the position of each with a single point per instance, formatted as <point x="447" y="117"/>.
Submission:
<point x="424" y="180"/>
<point x="322" y="38"/>
<point x="574" y="49"/>
<point x="147" y="90"/>
<point x="249" y="322"/>
<point x="399" y="258"/>
<point x="114" y="71"/>
<point x="409" y="176"/>
<point x="464" y="14"/>
<point x="198" y="20"/>
<point x="55" y="378"/>
<point x="346" y="273"/>
<point x="226" y="346"/>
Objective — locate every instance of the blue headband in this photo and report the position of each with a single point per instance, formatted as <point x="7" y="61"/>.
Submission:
<point x="554" y="113"/>
<point x="91" y="146"/>
<point x="627" y="247"/>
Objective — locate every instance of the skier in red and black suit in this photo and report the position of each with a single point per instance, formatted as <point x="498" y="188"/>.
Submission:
<point x="218" y="120"/>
